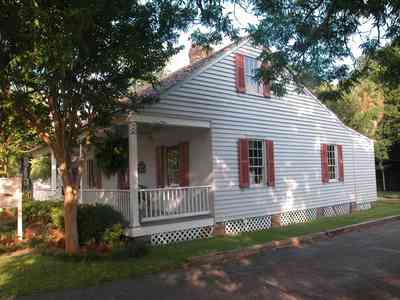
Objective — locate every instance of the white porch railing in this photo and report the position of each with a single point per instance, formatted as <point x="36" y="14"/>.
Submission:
<point x="118" y="199"/>
<point x="175" y="202"/>
<point x="42" y="194"/>
<point x="155" y="204"/>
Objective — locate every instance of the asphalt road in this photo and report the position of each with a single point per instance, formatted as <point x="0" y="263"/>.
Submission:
<point x="363" y="264"/>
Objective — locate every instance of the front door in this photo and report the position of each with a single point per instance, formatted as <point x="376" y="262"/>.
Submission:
<point x="173" y="165"/>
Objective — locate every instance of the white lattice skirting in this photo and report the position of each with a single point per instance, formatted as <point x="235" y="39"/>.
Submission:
<point x="165" y="238"/>
<point x="237" y="226"/>
<point x="298" y="216"/>
<point x="247" y="225"/>
<point x="336" y="210"/>
<point x="364" y="206"/>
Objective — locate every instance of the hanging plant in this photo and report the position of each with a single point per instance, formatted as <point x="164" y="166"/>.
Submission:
<point x="112" y="154"/>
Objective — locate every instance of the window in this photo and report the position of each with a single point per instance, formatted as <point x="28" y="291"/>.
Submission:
<point x="332" y="162"/>
<point x="256" y="161"/>
<point x="173" y="158"/>
<point x="251" y="65"/>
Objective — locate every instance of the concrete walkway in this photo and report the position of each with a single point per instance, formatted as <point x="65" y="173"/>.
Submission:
<point x="363" y="264"/>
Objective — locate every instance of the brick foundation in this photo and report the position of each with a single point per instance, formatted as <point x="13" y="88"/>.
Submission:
<point x="219" y="229"/>
<point x="354" y="207"/>
<point x="276" y="221"/>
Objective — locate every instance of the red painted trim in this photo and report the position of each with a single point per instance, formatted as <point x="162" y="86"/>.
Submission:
<point x="269" y="146"/>
<point x="244" y="178"/>
<point x="341" y="164"/>
<point x="324" y="163"/>
<point x="160" y="166"/>
<point x="240" y="82"/>
<point x="184" y="164"/>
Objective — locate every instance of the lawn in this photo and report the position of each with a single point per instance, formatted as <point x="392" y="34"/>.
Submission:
<point x="389" y="195"/>
<point x="33" y="273"/>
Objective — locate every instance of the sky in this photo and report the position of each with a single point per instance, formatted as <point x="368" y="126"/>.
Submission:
<point x="242" y="18"/>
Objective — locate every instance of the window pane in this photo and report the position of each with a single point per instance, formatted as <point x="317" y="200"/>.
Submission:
<point x="173" y="166"/>
<point x="256" y="161"/>
<point x="251" y="66"/>
<point x="332" y="162"/>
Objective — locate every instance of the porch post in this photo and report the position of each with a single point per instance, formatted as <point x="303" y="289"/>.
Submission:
<point x="53" y="177"/>
<point x="133" y="174"/>
<point x="82" y="174"/>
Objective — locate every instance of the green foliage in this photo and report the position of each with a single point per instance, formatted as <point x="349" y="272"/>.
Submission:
<point x="34" y="274"/>
<point x="369" y="101"/>
<point x="40" y="167"/>
<point x="361" y="108"/>
<point x="57" y="216"/>
<point x="112" y="154"/>
<point x="113" y="235"/>
<point x="98" y="223"/>
<point x="94" y="220"/>
<point x="40" y="211"/>
<point x="311" y="37"/>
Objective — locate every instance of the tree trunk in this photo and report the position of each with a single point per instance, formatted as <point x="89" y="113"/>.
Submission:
<point x="382" y="168"/>
<point x="70" y="216"/>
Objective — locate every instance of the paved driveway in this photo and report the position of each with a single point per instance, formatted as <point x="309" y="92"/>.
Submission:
<point x="358" y="265"/>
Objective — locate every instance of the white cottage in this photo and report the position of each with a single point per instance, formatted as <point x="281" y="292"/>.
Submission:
<point x="221" y="151"/>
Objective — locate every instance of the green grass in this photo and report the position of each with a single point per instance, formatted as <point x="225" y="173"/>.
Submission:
<point x="33" y="273"/>
<point x="389" y="195"/>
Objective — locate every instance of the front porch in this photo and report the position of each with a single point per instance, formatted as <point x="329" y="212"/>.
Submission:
<point x="158" y="204"/>
<point x="168" y="184"/>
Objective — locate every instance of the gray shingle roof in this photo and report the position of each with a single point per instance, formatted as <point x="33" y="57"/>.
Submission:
<point x="183" y="73"/>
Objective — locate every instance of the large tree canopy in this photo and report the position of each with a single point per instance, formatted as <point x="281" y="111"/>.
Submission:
<point x="311" y="37"/>
<point x="65" y="66"/>
<point x="369" y="101"/>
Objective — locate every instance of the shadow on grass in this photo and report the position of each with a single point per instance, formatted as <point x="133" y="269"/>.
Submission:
<point x="33" y="273"/>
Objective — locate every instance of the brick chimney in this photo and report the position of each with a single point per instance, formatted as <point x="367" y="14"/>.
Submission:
<point x="197" y="52"/>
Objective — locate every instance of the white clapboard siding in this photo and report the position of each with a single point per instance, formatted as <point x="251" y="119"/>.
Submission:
<point x="297" y="123"/>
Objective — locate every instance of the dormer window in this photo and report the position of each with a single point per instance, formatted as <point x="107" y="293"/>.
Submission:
<point x="246" y="81"/>
<point x="251" y="65"/>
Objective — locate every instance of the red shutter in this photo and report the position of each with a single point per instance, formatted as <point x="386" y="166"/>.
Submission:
<point x="269" y="147"/>
<point x="160" y="166"/>
<point x="266" y="84"/>
<point x="341" y="167"/>
<point x="324" y="163"/>
<point x="99" y="182"/>
<point x="123" y="180"/>
<point x="244" y="180"/>
<point x="184" y="164"/>
<point x="240" y="83"/>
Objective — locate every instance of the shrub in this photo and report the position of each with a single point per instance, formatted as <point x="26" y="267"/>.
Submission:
<point x="39" y="211"/>
<point x="113" y="236"/>
<point x="98" y="223"/>
<point x="94" y="220"/>
<point x="57" y="216"/>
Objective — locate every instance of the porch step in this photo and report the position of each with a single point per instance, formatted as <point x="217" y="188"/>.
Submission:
<point x="172" y="225"/>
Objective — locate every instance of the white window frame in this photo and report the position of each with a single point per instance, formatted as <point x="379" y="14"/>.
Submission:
<point x="333" y="162"/>
<point x="262" y="166"/>
<point x="250" y="76"/>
